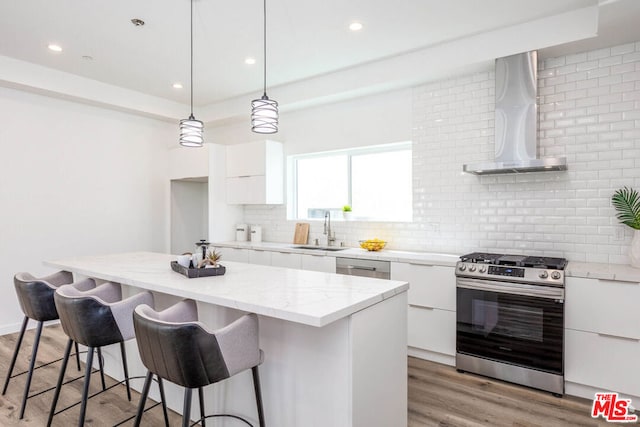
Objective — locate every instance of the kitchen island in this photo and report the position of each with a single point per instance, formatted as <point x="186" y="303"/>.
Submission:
<point x="335" y="346"/>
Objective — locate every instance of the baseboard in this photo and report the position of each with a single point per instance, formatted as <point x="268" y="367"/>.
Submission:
<point x="432" y="356"/>
<point x="12" y="328"/>
<point x="588" y="392"/>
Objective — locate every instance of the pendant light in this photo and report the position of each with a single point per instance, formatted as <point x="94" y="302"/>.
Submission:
<point x="264" y="111"/>
<point x="191" y="129"/>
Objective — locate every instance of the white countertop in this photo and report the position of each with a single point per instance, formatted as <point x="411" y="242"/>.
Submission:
<point x="592" y="270"/>
<point x="425" y="258"/>
<point x="307" y="297"/>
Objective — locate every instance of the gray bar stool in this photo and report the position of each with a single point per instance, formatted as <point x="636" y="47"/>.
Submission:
<point x="35" y="296"/>
<point x="95" y="318"/>
<point x="174" y="346"/>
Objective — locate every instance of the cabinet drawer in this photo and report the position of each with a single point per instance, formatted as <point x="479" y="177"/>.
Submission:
<point x="234" y="254"/>
<point x="431" y="286"/>
<point x="433" y="330"/>
<point x="286" y="259"/>
<point x="326" y="264"/>
<point x="602" y="362"/>
<point x="259" y="257"/>
<point x="603" y="306"/>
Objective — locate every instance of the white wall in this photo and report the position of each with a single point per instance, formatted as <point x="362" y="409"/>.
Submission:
<point x="589" y="107"/>
<point x="75" y="180"/>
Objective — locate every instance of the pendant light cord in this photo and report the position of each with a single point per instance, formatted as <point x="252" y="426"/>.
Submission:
<point x="191" y="58"/>
<point x="264" y="38"/>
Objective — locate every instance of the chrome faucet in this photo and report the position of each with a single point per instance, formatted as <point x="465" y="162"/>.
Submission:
<point x="331" y="236"/>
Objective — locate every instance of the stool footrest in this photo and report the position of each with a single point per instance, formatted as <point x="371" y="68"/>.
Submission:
<point x="222" y="415"/>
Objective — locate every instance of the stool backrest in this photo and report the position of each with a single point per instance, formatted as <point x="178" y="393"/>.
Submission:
<point x="87" y="320"/>
<point x="184" y="351"/>
<point x="36" y="295"/>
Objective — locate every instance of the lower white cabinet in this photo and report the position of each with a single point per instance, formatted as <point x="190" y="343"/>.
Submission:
<point x="286" y="259"/>
<point x="234" y="254"/>
<point x="433" y="330"/>
<point x="326" y="264"/>
<point x="261" y="257"/>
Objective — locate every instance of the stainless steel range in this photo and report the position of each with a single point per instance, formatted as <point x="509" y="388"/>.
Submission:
<point x="510" y="318"/>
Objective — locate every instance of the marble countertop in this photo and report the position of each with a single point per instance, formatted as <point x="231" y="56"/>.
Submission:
<point x="425" y="258"/>
<point x="307" y="297"/>
<point x="593" y="270"/>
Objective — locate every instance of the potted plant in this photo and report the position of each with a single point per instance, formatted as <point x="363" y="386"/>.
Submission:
<point x="212" y="259"/>
<point x="627" y="203"/>
<point x="346" y="212"/>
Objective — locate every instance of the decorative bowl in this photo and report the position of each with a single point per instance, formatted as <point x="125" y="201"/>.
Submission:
<point x="372" y="244"/>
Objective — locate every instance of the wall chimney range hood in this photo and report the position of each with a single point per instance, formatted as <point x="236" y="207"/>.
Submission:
<point x="516" y="121"/>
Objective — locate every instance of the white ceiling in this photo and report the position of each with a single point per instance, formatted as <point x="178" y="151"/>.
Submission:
<point x="306" y="39"/>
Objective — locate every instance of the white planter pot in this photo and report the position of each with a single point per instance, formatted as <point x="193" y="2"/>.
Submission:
<point x="634" y="250"/>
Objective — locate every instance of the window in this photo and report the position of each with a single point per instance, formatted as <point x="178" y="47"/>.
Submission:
<point x="374" y="181"/>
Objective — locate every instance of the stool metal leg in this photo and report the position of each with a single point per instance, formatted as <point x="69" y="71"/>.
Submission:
<point x="201" y="398"/>
<point x="34" y="353"/>
<point x="126" y="369"/>
<point x="101" y="365"/>
<point x="56" y="395"/>
<point x="15" y="354"/>
<point x="85" y="389"/>
<point x="186" y="410"/>
<point x="143" y="398"/>
<point x="164" y="402"/>
<point x="77" y="355"/>
<point x="256" y="386"/>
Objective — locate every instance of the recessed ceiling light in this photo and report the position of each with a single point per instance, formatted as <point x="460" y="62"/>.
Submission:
<point x="55" y="48"/>
<point x="177" y="85"/>
<point x="249" y="60"/>
<point x="137" y="22"/>
<point x="355" y="26"/>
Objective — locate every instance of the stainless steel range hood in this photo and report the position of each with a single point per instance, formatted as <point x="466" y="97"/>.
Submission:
<point x="516" y="120"/>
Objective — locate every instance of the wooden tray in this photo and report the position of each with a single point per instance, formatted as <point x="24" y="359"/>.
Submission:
<point x="198" y="272"/>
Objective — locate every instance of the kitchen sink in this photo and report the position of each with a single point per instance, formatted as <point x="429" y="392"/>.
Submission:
<point x="320" y="248"/>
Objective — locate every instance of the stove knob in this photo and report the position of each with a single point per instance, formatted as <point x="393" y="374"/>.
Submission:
<point x="555" y="275"/>
<point x="472" y="268"/>
<point x="543" y="275"/>
<point x="462" y="267"/>
<point x="482" y="269"/>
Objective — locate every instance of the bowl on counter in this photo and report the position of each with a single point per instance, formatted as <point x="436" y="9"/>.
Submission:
<point x="372" y="244"/>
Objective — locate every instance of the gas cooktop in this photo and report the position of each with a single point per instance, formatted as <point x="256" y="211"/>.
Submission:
<point x="515" y="260"/>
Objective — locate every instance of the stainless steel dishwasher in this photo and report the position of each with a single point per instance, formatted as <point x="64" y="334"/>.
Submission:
<point x="363" y="267"/>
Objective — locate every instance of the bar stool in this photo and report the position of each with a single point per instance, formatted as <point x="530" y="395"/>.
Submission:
<point x="95" y="318"/>
<point x="35" y="296"/>
<point x="174" y="346"/>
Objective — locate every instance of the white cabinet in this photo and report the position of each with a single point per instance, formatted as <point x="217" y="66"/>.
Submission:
<point x="286" y="259"/>
<point x="602" y="336"/>
<point x="234" y="254"/>
<point x="326" y="264"/>
<point x="188" y="163"/>
<point x="258" y="256"/>
<point x="255" y="173"/>
<point x="432" y="310"/>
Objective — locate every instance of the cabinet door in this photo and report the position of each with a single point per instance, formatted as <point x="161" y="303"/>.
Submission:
<point x="246" y="159"/>
<point x="433" y="330"/>
<point x="326" y="264"/>
<point x="261" y="257"/>
<point x="431" y="286"/>
<point x="234" y="254"/>
<point x="602" y="362"/>
<point x="603" y="306"/>
<point x="286" y="259"/>
<point x="246" y="190"/>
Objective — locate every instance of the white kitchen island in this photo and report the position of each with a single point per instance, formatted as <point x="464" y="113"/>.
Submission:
<point x="335" y="346"/>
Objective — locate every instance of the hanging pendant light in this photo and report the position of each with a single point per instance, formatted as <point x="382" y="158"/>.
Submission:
<point x="264" y="111"/>
<point x="191" y="130"/>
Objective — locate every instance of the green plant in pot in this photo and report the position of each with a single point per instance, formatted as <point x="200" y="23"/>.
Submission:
<point x="346" y="211"/>
<point x="627" y="202"/>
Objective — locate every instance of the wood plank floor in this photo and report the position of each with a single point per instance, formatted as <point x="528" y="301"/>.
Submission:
<point x="438" y="396"/>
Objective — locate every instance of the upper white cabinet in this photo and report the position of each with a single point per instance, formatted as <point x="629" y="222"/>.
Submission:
<point x="255" y="173"/>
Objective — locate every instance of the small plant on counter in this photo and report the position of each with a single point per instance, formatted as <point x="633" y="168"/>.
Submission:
<point x="346" y="208"/>
<point x="212" y="259"/>
<point x="627" y="203"/>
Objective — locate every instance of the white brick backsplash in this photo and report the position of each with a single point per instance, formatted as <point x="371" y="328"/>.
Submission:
<point x="589" y="108"/>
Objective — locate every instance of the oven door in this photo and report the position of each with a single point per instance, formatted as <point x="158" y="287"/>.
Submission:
<point x="512" y="323"/>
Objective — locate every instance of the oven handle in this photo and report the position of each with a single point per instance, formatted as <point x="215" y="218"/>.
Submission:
<point x="512" y="288"/>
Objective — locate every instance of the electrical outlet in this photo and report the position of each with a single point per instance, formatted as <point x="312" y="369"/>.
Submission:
<point x="618" y="234"/>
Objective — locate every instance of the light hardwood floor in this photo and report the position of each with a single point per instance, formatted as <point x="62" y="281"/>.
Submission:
<point x="438" y="396"/>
